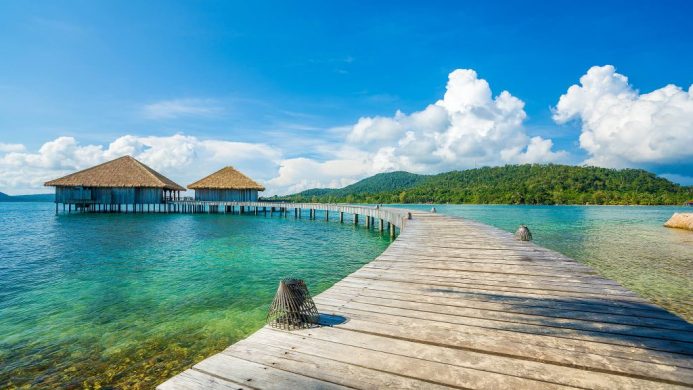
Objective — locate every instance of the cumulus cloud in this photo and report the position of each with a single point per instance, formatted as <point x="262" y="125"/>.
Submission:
<point x="180" y="157"/>
<point x="468" y="127"/>
<point x="622" y="127"/>
<point x="177" y="108"/>
<point x="6" y="148"/>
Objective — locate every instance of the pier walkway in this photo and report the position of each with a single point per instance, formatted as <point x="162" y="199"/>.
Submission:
<point x="457" y="304"/>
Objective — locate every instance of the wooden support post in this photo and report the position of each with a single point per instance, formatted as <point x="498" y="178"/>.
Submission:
<point x="327" y="215"/>
<point x="368" y="222"/>
<point x="392" y="230"/>
<point x="356" y="219"/>
<point x="380" y="225"/>
<point x="341" y="217"/>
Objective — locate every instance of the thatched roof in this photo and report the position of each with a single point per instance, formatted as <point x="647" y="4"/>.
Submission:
<point x="121" y="172"/>
<point x="227" y="178"/>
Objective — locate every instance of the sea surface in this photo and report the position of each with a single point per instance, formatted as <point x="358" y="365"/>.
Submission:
<point x="625" y="243"/>
<point x="126" y="301"/>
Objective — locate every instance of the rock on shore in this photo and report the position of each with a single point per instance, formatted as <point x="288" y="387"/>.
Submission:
<point x="680" y="221"/>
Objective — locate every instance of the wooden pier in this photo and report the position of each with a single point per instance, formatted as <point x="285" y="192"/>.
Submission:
<point x="457" y="304"/>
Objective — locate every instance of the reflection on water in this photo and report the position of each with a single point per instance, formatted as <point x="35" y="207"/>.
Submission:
<point x="129" y="300"/>
<point x="624" y="243"/>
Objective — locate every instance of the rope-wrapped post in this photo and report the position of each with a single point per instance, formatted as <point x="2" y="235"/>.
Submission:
<point x="292" y="308"/>
<point x="523" y="233"/>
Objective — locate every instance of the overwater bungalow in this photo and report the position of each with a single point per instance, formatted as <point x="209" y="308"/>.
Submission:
<point x="119" y="185"/>
<point x="226" y="185"/>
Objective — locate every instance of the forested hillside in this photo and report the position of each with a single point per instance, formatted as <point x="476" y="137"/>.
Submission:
<point x="510" y="184"/>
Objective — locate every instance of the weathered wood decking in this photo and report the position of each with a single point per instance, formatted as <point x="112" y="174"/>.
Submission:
<point x="457" y="304"/>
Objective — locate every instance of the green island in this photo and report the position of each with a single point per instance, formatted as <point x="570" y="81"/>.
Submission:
<point x="536" y="184"/>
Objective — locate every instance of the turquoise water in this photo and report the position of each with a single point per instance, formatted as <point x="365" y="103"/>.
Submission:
<point x="624" y="243"/>
<point x="126" y="301"/>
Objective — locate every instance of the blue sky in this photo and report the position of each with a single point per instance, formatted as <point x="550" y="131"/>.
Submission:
<point x="295" y="80"/>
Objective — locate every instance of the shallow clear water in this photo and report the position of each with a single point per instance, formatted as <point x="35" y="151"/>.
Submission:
<point x="123" y="300"/>
<point x="624" y="243"/>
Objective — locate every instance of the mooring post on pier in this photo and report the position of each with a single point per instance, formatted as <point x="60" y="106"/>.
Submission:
<point x="356" y="219"/>
<point x="368" y="222"/>
<point x="327" y="215"/>
<point x="392" y="230"/>
<point x="341" y="217"/>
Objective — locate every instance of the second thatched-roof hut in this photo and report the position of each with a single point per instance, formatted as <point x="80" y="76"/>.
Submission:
<point x="226" y="185"/>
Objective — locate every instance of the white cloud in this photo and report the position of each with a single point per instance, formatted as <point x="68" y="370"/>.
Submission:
<point x="182" y="158"/>
<point x="6" y="148"/>
<point x="177" y="108"/>
<point x="298" y="174"/>
<point x="621" y="127"/>
<point x="467" y="128"/>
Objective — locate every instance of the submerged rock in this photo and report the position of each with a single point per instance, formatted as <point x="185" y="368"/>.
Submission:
<point x="680" y="221"/>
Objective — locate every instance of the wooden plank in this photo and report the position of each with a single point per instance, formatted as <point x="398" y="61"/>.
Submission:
<point x="484" y="362"/>
<point x="426" y="274"/>
<point x="539" y="309"/>
<point x="261" y="350"/>
<point x="592" y="306"/>
<point x="642" y="308"/>
<point x="599" y="343"/>
<point x="514" y="318"/>
<point x="193" y="379"/>
<point x="259" y="376"/>
<point x="408" y="364"/>
<point x="509" y="339"/>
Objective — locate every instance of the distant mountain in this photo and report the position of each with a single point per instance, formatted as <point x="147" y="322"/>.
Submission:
<point x="510" y="184"/>
<point x="26" y="198"/>
<point x="382" y="182"/>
